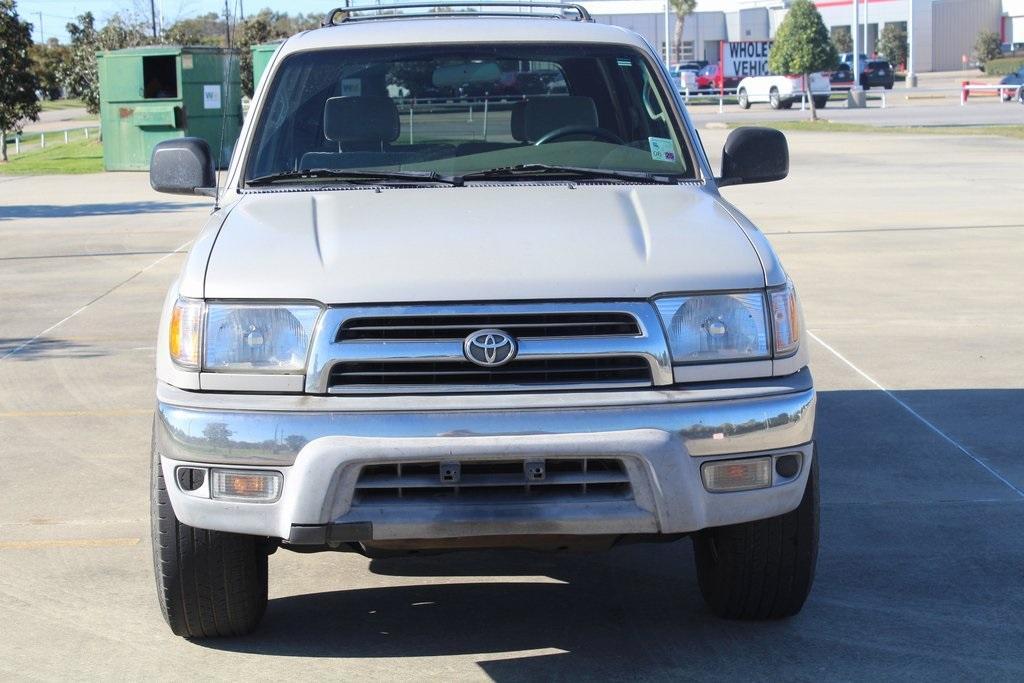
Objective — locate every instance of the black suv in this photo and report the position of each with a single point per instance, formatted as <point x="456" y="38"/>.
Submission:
<point x="877" y="72"/>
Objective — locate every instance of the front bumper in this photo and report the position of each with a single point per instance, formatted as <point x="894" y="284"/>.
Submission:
<point x="661" y="438"/>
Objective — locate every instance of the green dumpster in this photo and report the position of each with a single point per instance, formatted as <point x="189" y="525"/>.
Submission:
<point x="151" y="94"/>
<point x="261" y="55"/>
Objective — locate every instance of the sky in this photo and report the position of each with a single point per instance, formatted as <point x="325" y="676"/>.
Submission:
<point x="54" y="14"/>
<point x="57" y="13"/>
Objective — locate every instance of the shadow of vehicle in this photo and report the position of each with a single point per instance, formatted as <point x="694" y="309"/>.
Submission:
<point x="919" y="575"/>
<point x="107" y="209"/>
<point x="26" y="348"/>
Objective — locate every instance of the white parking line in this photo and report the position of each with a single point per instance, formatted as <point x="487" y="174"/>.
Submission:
<point x="960" y="447"/>
<point x="57" y="324"/>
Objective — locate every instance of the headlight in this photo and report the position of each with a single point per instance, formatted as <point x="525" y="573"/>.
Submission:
<point x="785" y="320"/>
<point x="258" y="337"/>
<point x="185" y="332"/>
<point x="714" y="327"/>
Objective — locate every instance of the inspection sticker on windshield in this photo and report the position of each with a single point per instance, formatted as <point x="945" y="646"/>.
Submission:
<point x="662" y="149"/>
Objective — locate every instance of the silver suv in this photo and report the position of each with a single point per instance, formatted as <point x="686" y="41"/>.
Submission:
<point x="437" y="307"/>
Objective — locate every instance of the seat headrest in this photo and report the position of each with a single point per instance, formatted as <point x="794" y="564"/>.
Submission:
<point x="541" y="115"/>
<point x="361" y="119"/>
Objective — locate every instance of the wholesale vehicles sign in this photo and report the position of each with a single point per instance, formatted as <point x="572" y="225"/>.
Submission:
<point x="745" y="58"/>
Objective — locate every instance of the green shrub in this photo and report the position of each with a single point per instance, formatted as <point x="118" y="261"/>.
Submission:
<point x="1003" y="65"/>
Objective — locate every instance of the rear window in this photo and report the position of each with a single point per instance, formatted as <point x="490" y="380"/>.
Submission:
<point x="467" y="108"/>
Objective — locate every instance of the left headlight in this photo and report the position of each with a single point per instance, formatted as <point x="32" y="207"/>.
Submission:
<point x="706" y="328"/>
<point x="264" y="338"/>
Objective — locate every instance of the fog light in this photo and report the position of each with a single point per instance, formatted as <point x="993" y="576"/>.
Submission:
<point x="737" y="475"/>
<point x="248" y="485"/>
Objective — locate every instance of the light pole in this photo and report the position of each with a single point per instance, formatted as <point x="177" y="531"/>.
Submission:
<point x="856" y="97"/>
<point x="911" y="76"/>
<point x="668" y="54"/>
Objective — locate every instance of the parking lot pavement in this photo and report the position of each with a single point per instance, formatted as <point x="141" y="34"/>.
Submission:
<point x="906" y="252"/>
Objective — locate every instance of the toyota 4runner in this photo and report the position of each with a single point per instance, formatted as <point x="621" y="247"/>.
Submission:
<point x="469" y="283"/>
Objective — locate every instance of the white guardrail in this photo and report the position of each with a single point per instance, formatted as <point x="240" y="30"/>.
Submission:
<point x="731" y="94"/>
<point x="55" y="135"/>
<point x="1013" y="91"/>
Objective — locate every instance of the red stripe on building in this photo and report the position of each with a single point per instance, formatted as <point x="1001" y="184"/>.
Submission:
<point x="840" y="3"/>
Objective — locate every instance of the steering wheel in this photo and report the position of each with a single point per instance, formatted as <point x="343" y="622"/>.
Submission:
<point x="562" y="132"/>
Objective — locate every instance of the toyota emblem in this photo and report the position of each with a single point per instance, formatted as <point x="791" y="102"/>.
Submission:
<point x="489" y="348"/>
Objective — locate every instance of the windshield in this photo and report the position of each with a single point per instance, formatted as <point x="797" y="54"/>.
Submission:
<point x="460" y="110"/>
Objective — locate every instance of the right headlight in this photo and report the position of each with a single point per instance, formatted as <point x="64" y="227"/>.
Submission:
<point x="705" y="328"/>
<point x="241" y="337"/>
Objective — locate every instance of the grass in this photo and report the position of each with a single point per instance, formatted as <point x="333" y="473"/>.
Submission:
<point x="1015" y="132"/>
<point x="81" y="156"/>
<point x="56" y="105"/>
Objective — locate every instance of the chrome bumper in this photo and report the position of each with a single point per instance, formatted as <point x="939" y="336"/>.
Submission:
<point x="661" y="437"/>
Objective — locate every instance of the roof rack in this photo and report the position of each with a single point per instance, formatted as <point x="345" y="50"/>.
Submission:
<point x="340" y="15"/>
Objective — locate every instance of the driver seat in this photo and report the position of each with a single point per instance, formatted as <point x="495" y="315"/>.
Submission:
<point x="538" y="116"/>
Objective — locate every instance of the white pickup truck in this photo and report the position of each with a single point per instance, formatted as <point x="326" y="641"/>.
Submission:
<point x="436" y="322"/>
<point x="781" y="92"/>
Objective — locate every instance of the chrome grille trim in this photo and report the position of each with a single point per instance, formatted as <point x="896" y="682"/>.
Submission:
<point x="326" y="352"/>
<point x="458" y="326"/>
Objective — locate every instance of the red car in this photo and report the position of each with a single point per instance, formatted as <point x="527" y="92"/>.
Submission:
<point x="711" y="78"/>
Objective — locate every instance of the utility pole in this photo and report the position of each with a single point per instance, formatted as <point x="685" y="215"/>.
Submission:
<point x="152" y="14"/>
<point x="42" y="39"/>
<point x="241" y="10"/>
<point x="227" y="23"/>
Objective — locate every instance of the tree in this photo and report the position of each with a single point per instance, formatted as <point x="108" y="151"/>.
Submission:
<point x="254" y="31"/>
<point x="893" y="43"/>
<point x="79" y="73"/>
<point x="264" y="27"/>
<point x="682" y="9"/>
<point x="802" y="46"/>
<point x="842" y="39"/>
<point x="207" y="29"/>
<point x="46" y="63"/>
<point x="987" y="46"/>
<point x="18" y="82"/>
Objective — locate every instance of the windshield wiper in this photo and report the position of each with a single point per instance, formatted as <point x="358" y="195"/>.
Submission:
<point x="351" y="175"/>
<point x="571" y="171"/>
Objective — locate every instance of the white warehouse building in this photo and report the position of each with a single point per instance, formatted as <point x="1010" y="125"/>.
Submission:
<point x="944" y="30"/>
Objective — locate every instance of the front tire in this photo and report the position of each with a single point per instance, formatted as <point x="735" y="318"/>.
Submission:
<point x="208" y="583"/>
<point x="743" y="99"/>
<point x="762" y="569"/>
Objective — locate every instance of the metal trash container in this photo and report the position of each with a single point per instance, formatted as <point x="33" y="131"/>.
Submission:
<point x="261" y="55"/>
<point x="152" y="94"/>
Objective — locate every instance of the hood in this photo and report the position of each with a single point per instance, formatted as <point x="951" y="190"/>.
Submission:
<point x="480" y="243"/>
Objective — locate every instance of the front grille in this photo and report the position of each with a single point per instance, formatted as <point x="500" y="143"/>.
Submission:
<point x="491" y="482"/>
<point x="617" y="370"/>
<point x="459" y="326"/>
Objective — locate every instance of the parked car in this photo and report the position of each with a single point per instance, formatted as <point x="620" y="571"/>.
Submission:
<point x="877" y="72"/>
<point x="547" y="330"/>
<point x="711" y="77"/>
<point x="685" y="76"/>
<point x="841" y="78"/>
<point x="1016" y="79"/>
<point x="847" y="58"/>
<point x="781" y="92"/>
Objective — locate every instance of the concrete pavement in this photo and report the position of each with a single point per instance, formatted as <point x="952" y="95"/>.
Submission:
<point x="906" y="252"/>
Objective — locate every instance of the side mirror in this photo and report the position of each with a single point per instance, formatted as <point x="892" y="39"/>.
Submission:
<point x="183" y="166"/>
<point x="754" y="155"/>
